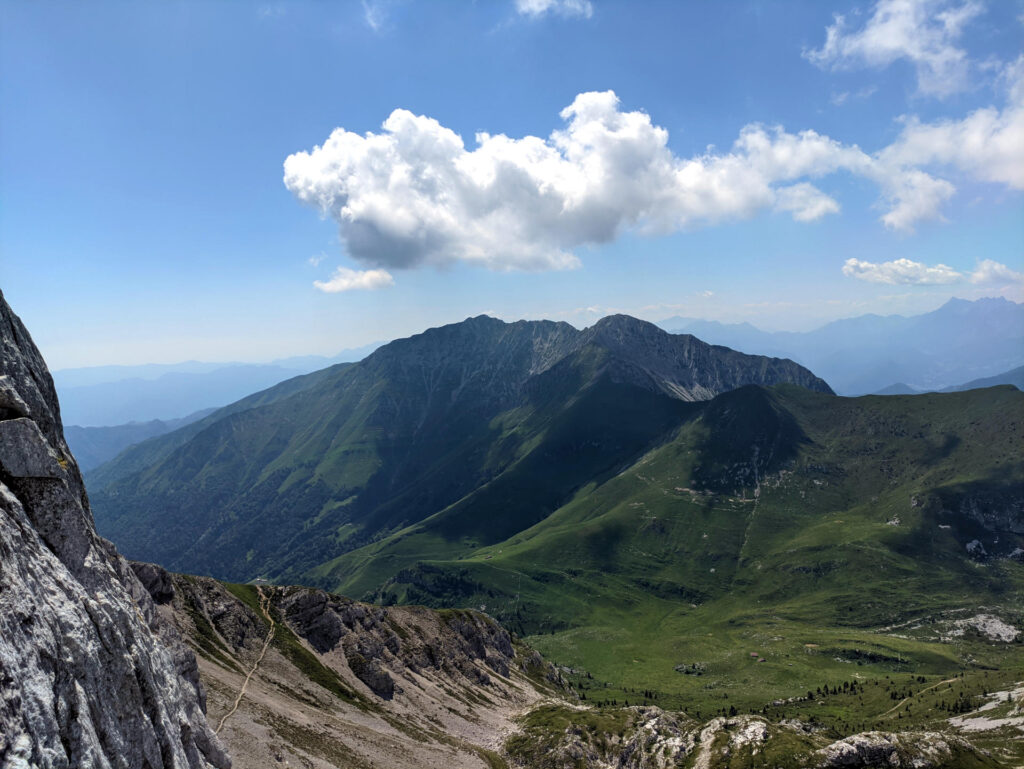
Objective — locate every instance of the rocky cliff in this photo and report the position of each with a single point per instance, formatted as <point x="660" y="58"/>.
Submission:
<point x="90" y="675"/>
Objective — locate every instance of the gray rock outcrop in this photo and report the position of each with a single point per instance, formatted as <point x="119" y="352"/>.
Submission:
<point x="90" y="676"/>
<point x="922" y="750"/>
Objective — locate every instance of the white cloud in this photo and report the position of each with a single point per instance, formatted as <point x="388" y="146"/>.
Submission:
<point x="375" y="14"/>
<point x="345" y="279"/>
<point x="900" y="271"/>
<point x="988" y="144"/>
<point x="989" y="272"/>
<point x="271" y="10"/>
<point x="908" y="272"/>
<point x="842" y="97"/>
<point x="912" y="195"/>
<point x="537" y="8"/>
<point x="414" y="195"/>
<point x="806" y="202"/>
<point x="924" y="32"/>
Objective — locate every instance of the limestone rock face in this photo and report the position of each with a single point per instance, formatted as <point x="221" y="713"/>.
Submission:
<point x="923" y="750"/>
<point x="372" y="647"/>
<point x="89" y="673"/>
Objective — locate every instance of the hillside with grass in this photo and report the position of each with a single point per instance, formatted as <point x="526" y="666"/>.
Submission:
<point x="286" y="480"/>
<point x="778" y="539"/>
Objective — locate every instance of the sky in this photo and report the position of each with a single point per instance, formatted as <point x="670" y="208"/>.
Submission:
<point x="250" y="181"/>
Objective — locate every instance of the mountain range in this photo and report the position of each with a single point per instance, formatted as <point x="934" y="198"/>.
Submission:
<point x="731" y="565"/>
<point x="641" y="506"/>
<point x="960" y="341"/>
<point x="321" y="464"/>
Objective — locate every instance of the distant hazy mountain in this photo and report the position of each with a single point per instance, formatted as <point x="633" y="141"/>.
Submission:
<point x="897" y="389"/>
<point x="92" y="446"/>
<point x="116" y="395"/>
<point x="354" y="451"/>
<point x="1013" y="377"/>
<point x="960" y="341"/>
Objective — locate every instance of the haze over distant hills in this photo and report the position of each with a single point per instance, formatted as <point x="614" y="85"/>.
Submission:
<point x="1014" y="377"/>
<point x="92" y="446"/>
<point x="116" y="395"/>
<point x="959" y="342"/>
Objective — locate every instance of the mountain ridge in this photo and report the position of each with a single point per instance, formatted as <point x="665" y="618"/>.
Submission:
<point x="416" y="426"/>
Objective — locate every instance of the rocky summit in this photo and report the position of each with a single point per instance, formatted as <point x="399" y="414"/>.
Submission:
<point x="90" y="675"/>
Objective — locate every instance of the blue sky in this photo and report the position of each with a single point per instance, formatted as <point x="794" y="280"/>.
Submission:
<point x="759" y="161"/>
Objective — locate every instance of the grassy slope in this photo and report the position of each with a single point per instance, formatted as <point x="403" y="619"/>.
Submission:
<point x="675" y="560"/>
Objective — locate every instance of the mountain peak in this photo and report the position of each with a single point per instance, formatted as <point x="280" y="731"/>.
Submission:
<point x="681" y="365"/>
<point x="625" y="325"/>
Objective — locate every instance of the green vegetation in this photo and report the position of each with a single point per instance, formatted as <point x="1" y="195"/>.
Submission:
<point x="544" y="727"/>
<point x="783" y="523"/>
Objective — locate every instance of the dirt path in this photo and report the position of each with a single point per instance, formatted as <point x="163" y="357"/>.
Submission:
<point x="265" y="608"/>
<point x="907" y="699"/>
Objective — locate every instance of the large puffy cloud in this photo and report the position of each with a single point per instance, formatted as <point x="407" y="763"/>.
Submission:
<point x="924" y="32"/>
<point x="414" y="195"/>
<point x="908" y="272"/>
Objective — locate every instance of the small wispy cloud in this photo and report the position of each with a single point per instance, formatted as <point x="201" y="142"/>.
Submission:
<point x="375" y="14"/>
<point x="569" y="8"/>
<point x="345" y="279"/>
<point x="910" y="273"/>
<point x="316" y="259"/>
<point x="900" y="272"/>
<point x="271" y="10"/>
<point x="844" y="97"/>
